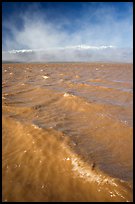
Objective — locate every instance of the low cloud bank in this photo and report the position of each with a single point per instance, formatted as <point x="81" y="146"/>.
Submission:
<point x="84" y="38"/>
<point x="74" y="54"/>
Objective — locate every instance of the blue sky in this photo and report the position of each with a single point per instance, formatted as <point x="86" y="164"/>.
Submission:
<point x="33" y="25"/>
<point x="53" y="25"/>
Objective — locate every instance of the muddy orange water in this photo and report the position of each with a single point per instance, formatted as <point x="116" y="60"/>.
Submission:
<point x="67" y="132"/>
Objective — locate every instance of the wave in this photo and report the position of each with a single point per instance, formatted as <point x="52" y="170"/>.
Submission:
<point x="95" y="117"/>
<point x="65" y="138"/>
<point x="42" y="145"/>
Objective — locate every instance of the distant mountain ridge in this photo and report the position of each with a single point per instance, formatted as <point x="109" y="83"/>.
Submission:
<point x="78" y="53"/>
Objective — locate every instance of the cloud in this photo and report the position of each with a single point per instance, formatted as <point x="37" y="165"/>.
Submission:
<point x="74" y="54"/>
<point x="96" y="27"/>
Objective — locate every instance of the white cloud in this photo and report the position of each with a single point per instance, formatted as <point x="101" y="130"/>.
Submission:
<point x="40" y="33"/>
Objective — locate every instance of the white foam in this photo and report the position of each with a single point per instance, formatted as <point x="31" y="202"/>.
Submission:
<point x="67" y="158"/>
<point x="66" y="94"/>
<point x="35" y="126"/>
<point x="45" y="77"/>
<point x="90" y="175"/>
<point x="42" y="186"/>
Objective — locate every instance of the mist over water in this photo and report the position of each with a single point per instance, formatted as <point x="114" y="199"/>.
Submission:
<point x="80" y="53"/>
<point x="67" y="132"/>
<point x="89" y="33"/>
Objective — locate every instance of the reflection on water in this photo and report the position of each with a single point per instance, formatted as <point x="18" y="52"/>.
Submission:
<point x="67" y="132"/>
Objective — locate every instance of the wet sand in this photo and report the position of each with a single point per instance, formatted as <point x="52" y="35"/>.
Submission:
<point x="67" y="132"/>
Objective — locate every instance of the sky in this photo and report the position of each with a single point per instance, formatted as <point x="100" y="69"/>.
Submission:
<point x="49" y="25"/>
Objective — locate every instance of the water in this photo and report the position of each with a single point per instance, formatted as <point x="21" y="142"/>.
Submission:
<point x="67" y="132"/>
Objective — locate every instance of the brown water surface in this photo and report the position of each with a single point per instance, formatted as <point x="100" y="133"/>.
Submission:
<point x="67" y="132"/>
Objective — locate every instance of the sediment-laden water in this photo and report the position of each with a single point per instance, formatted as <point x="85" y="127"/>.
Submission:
<point x="67" y="132"/>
